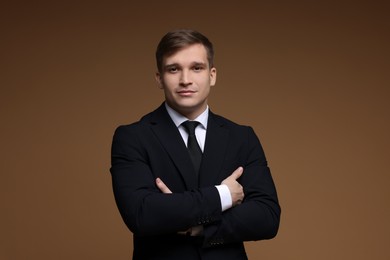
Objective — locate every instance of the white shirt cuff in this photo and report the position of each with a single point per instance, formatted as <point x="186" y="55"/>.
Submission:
<point x="226" y="198"/>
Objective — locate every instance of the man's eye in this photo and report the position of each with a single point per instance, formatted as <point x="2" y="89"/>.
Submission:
<point x="173" y="69"/>
<point x="198" y="68"/>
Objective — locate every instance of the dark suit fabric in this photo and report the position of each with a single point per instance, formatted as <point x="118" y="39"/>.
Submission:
<point x="153" y="147"/>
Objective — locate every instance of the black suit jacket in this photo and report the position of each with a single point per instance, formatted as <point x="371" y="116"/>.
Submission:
<point x="153" y="147"/>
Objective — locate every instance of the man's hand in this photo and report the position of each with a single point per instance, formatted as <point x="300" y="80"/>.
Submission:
<point x="235" y="188"/>
<point x="161" y="185"/>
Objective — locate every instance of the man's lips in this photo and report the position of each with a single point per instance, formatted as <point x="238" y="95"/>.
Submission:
<point x="186" y="92"/>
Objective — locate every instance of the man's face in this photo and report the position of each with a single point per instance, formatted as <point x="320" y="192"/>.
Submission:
<point x="186" y="79"/>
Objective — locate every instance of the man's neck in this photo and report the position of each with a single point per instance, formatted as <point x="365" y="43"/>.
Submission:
<point x="191" y="115"/>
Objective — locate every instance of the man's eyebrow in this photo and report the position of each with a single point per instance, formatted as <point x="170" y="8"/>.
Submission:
<point x="199" y="63"/>
<point x="171" y="65"/>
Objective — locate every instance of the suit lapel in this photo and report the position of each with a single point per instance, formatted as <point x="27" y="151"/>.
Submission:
<point x="170" y="138"/>
<point x="217" y="138"/>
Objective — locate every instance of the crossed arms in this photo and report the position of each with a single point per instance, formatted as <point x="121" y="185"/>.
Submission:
<point x="149" y="209"/>
<point x="235" y="189"/>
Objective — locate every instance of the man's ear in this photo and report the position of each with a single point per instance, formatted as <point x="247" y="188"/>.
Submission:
<point x="159" y="80"/>
<point x="213" y="76"/>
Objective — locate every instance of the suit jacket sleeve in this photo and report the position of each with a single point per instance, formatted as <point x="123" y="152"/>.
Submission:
<point x="259" y="214"/>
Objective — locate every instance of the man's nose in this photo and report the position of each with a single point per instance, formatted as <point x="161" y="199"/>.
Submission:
<point x="185" y="78"/>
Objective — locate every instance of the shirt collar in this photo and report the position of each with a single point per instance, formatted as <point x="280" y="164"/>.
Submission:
<point x="178" y="118"/>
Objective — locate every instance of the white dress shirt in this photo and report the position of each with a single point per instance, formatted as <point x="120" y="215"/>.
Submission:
<point x="200" y="132"/>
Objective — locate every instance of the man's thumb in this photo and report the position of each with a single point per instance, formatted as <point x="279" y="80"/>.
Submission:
<point x="237" y="173"/>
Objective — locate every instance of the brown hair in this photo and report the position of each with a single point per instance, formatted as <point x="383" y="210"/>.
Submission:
<point x="177" y="39"/>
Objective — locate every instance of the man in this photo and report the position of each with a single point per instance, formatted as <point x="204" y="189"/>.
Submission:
<point x="191" y="194"/>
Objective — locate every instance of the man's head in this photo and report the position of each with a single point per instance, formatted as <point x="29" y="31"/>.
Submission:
<point x="178" y="39"/>
<point x="185" y="71"/>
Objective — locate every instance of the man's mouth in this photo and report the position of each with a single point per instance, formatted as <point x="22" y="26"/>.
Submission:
<point x="186" y="92"/>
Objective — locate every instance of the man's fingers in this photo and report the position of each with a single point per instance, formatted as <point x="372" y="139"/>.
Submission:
<point x="161" y="185"/>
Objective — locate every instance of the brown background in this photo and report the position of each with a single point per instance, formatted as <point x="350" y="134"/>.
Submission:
<point x="311" y="77"/>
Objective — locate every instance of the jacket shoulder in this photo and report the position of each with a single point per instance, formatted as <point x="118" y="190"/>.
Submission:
<point x="133" y="127"/>
<point x="223" y="121"/>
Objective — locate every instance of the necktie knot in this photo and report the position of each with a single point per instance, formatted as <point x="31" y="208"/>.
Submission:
<point x="190" y="126"/>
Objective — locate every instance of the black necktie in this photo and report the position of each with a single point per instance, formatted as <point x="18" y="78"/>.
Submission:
<point x="192" y="144"/>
